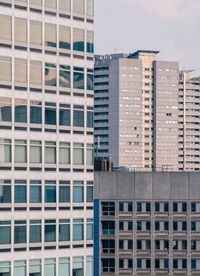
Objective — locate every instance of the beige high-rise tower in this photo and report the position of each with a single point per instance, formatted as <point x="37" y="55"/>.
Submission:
<point x="136" y="111"/>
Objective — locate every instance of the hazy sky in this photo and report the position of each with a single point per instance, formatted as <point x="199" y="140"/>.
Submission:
<point x="171" y="26"/>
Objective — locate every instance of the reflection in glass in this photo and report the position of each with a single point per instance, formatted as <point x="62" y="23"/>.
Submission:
<point x="5" y="110"/>
<point x="50" y="74"/>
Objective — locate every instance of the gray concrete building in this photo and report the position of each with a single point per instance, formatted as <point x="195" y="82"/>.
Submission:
<point x="146" y="113"/>
<point x="147" y="223"/>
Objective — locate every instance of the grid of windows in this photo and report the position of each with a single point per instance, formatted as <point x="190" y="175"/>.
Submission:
<point x="46" y="142"/>
<point x="45" y="195"/>
<point x="49" y="266"/>
<point x="142" y="228"/>
<point x="45" y="153"/>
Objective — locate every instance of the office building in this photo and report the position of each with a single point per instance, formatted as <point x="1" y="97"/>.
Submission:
<point x="189" y="122"/>
<point x="147" y="223"/>
<point x="136" y="111"/>
<point x="46" y="137"/>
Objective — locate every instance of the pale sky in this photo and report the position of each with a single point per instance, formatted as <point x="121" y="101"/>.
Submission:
<point x="170" y="26"/>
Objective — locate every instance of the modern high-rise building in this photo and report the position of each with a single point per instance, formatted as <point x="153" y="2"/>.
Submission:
<point x="46" y="137"/>
<point x="136" y="111"/>
<point x="147" y="223"/>
<point x="189" y="122"/>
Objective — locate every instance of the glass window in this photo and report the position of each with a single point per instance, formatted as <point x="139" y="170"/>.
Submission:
<point x="35" y="152"/>
<point x="89" y="191"/>
<point x="36" y="2"/>
<point x="64" y="5"/>
<point x="89" y="229"/>
<point x="5" y="233"/>
<point x="6" y="31"/>
<point x="35" y="112"/>
<point x="5" y="69"/>
<point x="121" y="225"/>
<point x="64" y="37"/>
<point x="5" y="268"/>
<point x="108" y="265"/>
<point x="5" y="109"/>
<point x="50" y="231"/>
<point x="5" y="191"/>
<point x="175" y="207"/>
<point x="78" y="78"/>
<point x="90" y="119"/>
<point x="35" y="73"/>
<point x="50" y="34"/>
<point x="193" y="264"/>
<point x="50" y="191"/>
<point x="20" y="191"/>
<point x="20" y="268"/>
<point x="35" y="234"/>
<point x="20" y="151"/>
<point x="90" y="42"/>
<point x="78" y="40"/>
<point x="166" y="207"/>
<point x="166" y="226"/>
<point x="64" y="267"/>
<point x="78" y="230"/>
<point x="5" y="150"/>
<point x="20" y="111"/>
<point x="139" y="263"/>
<point x="139" y="207"/>
<point x="139" y="225"/>
<point x="184" y="264"/>
<point x="50" y="4"/>
<point x="78" y="191"/>
<point x="78" y="154"/>
<point x="64" y="230"/>
<point x="20" y="71"/>
<point x="20" y="31"/>
<point x="64" y="115"/>
<point x="90" y="8"/>
<point x="89" y="265"/>
<point x="130" y="225"/>
<point x="79" y="7"/>
<point x="77" y="266"/>
<point x="64" y="191"/>
<point x="108" y="227"/>
<point x="64" y="76"/>
<point x="193" y="245"/>
<point x="20" y="232"/>
<point x="35" y="33"/>
<point x="148" y="207"/>
<point x="157" y="207"/>
<point x="78" y="116"/>
<point x="90" y="155"/>
<point x="121" y="206"/>
<point x="90" y="80"/>
<point x="50" y="267"/>
<point x="64" y="153"/>
<point x="193" y="226"/>
<point x="175" y="226"/>
<point x="35" y="268"/>
<point x="175" y="263"/>
<point x="184" y="226"/>
<point x="50" y="152"/>
<point x="50" y="74"/>
<point x="50" y="113"/>
<point x="184" y="207"/>
<point x="35" y="191"/>
<point x="193" y="207"/>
